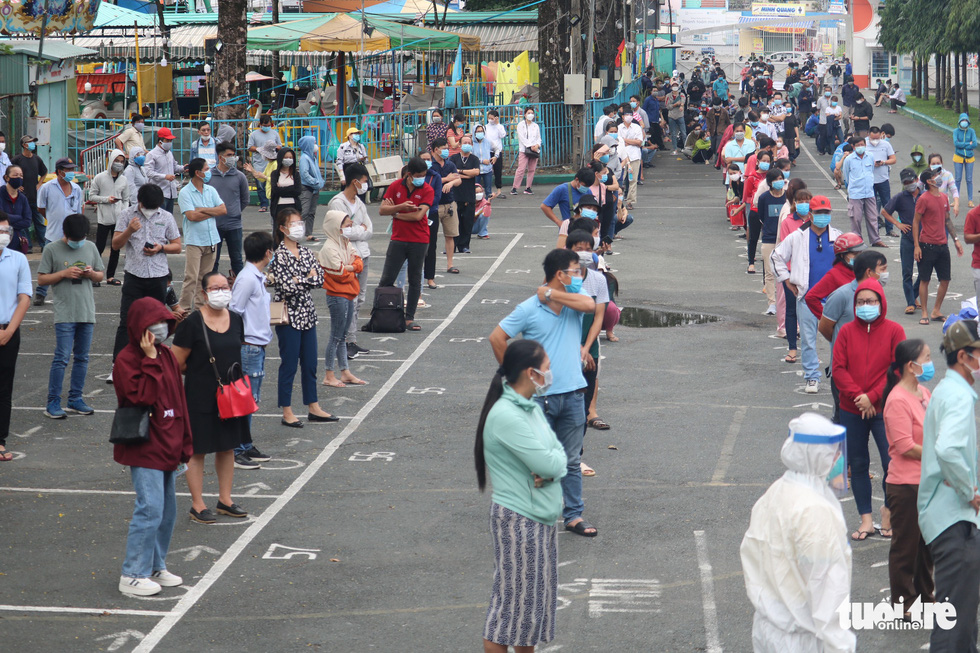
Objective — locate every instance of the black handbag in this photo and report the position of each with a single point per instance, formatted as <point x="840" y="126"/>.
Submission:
<point x="130" y="425"/>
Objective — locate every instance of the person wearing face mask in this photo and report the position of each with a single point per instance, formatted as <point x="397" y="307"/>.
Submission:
<point x="454" y="134"/>
<point x="358" y="233"/>
<point x="630" y="142"/>
<point x="341" y="265"/>
<point x="717" y="122"/>
<point x="482" y="212"/>
<point x="351" y="150"/>
<point x="71" y="266"/>
<point x="283" y="186"/>
<point x="408" y="202"/>
<point x="133" y="135"/>
<point x="587" y="208"/>
<point x="739" y="149"/>
<point x="768" y="207"/>
<point x="496" y="133"/>
<point x="919" y="162"/>
<point x="13" y="202"/>
<point x="878" y="147"/>
<point x="675" y="103"/>
<point x="948" y="499"/>
<point x="526" y="463"/>
<point x="201" y="205"/>
<point x="609" y="114"/>
<point x="265" y="135"/>
<point x="147" y="234"/>
<point x="863" y="352"/>
<point x="34" y="171"/>
<point x="162" y="169"/>
<point x="795" y="554"/>
<point x="861" y="113"/>
<point x="208" y="344"/>
<point x="823" y="106"/>
<point x="553" y="317"/>
<point x="900" y="212"/>
<point x="857" y="172"/>
<point x="437" y="128"/>
<point x="232" y="186"/>
<point x="15" y="299"/>
<point x="447" y="214"/>
<point x="906" y="400"/>
<point x="150" y="376"/>
<point x="932" y="225"/>
<point x="134" y="173"/>
<point x="4" y="159"/>
<point x="483" y="151"/>
<point x="110" y="192"/>
<point x="734" y="206"/>
<point x="797" y="212"/>
<point x="529" y="152"/>
<point x="945" y="181"/>
<point x="964" y="143"/>
<point x="310" y="178"/>
<point x="468" y="167"/>
<point x="57" y="199"/>
<point x="204" y="146"/>
<point x="801" y="260"/>
<point x="566" y="196"/>
<point x="763" y="162"/>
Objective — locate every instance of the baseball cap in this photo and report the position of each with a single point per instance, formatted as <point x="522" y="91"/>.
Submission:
<point x="960" y="335"/>
<point x="64" y="163"/>
<point x="353" y="130"/>
<point x="819" y="203"/>
<point x="908" y="176"/>
<point x="165" y="133"/>
<point x="27" y="138"/>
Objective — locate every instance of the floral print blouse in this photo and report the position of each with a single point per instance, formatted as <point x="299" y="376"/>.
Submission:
<point x="294" y="285"/>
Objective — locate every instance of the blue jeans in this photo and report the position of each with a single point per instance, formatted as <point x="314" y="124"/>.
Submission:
<point x="340" y="311"/>
<point x="808" y="340"/>
<point x="618" y="226"/>
<point x="485" y="179"/>
<point x="678" y="131"/>
<point x="69" y="335"/>
<point x="362" y="277"/>
<point x="958" y="169"/>
<point x="566" y="415"/>
<point x="260" y="191"/>
<point x="253" y="365"/>
<point x="907" y="250"/>
<point x="234" y="239"/>
<point x="480" y="226"/>
<point x="296" y="349"/>
<point x="153" y="521"/>
<point x="858" y="457"/>
<point x="883" y="193"/>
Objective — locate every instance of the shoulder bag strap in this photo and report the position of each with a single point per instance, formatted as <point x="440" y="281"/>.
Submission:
<point x="207" y="341"/>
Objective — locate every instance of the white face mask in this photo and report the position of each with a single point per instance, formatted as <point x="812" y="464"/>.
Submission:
<point x="4" y="240"/>
<point x="542" y="388"/>
<point x="219" y="299"/>
<point x="585" y="259"/>
<point x="166" y="146"/>
<point x="160" y="332"/>
<point x="479" y="197"/>
<point x="3" y="146"/>
<point x="297" y="231"/>
<point x="149" y="214"/>
<point x="287" y="162"/>
<point x="118" y="167"/>
<point x="974" y="372"/>
<point x="883" y="279"/>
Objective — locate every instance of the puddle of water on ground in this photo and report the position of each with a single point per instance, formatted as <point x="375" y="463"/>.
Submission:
<point x="645" y="318"/>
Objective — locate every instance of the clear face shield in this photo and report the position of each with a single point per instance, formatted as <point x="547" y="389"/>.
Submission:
<point x="824" y="450"/>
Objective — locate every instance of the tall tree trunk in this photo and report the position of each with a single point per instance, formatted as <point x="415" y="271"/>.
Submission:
<point x="230" y="64"/>
<point x="949" y="83"/>
<point x="276" y="59"/>
<point x="553" y="59"/>
<point x="607" y="36"/>
<point x="956" y="82"/>
<point x="939" y="78"/>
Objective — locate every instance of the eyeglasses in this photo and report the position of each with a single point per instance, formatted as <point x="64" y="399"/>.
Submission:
<point x="214" y="288"/>
<point x="573" y="272"/>
<point x="867" y="302"/>
<point x="6" y="230"/>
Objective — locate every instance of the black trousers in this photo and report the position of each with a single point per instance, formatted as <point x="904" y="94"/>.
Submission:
<point x="8" y="364"/>
<point x="430" y="253"/>
<point x="755" y="229"/>
<point x="498" y="172"/>
<point x="956" y="555"/>
<point x="657" y="136"/>
<point x="398" y="252"/>
<point x="134" y="288"/>
<point x="103" y="235"/>
<point x="607" y="213"/>
<point x="466" y="212"/>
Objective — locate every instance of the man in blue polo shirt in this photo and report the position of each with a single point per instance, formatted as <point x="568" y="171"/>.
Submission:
<point x="903" y="204"/>
<point x="15" y="298"/>
<point x="565" y="196"/>
<point x="553" y="317"/>
<point x="200" y="204"/>
<point x="858" y="172"/>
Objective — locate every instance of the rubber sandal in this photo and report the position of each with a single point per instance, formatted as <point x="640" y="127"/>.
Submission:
<point x="941" y="318"/>
<point x="114" y="282"/>
<point x="581" y="528"/>
<point x="747" y="271"/>
<point x="453" y="270"/>
<point x="612" y="338"/>
<point x="413" y="327"/>
<point x="6" y="456"/>
<point x="861" y="535"/>
<point x="925" y="321"/>
<point x="598" y="424"/>
<point x="881" y="532"/>
<point x="909" y="310"/>
<point x="586" y="470"/>
<point x="791" y="359"/>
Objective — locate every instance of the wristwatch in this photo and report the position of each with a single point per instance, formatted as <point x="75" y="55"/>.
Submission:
<point x="547" y="296"/>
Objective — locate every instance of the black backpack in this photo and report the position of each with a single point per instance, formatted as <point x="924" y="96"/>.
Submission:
<point x="388" y="314"/>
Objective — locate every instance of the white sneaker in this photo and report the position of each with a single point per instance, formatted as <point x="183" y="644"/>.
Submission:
<point x="109" y="380"/>
<point x="674" y="153"/>
<point x="138" y="586"/>
<point x="771" y="310"/>
<point x="166" y="579"/>
<point x="812" y="386"/>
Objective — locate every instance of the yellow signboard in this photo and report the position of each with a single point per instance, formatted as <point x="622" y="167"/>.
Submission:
<point x="782" y="10"/>
<point x="827" y="48"/>
<point x="758" y="45"/>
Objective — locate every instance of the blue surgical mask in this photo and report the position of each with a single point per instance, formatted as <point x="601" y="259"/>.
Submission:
<point x="356" y="138"/>
<point x="139" y="160"/>
<point x="802" y="208"/>
<point x="466" y="148"/>
<point x="821" y="220"/>
<point x="605" y="178"/>
<point x="418" y="181"/>
<point x="266" y="128"/>
<point x="75" y="244"/>
<point x="604" y="158"/>
<point x="763" y="165"/>
<point x="428" y="164"/>
<point x="778" y="184"/>
<point x="444" y="153"/>
<point x="633" y="105"/>
<point x="776" y="103"/>
<point x="480" y="136"/>
<point x="785" y="174"/>
<point x="575" y="285"/>
<point x="850" y="262"/>
<point x="207" y="177"/>
<point x="868" y="313"/>
<point x="70" y="175"/>
<point x="591" y="214"/>
<point x="753" y="123"/>
<point x="833" y="104"/>
<point x="31" y="146"/>
<point x="860" y="149"/>
<point x="928" y="371"/>
<point x="964" y="124"/>
<point x="937" y="166"/>
<point x="826" y="94"/>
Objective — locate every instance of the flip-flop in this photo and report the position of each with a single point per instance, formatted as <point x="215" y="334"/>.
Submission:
<point x="453" y="270"/>
<point x="881" y="532"/>
<point x="861" y="535"/>
<point x="598" y="424"/>
<point x="925" y="321"/>
<point x="412" y="326"/>
<point x="791" y="359"/>
<point x="358" y="382"/>
<point x="114" y="282"/>
<point x="586" y="470"/>
<point x="338" y="384"/>
<point x="612" y="338"/>
<point x="6" y="456"/>
<point x="941" y="318"/>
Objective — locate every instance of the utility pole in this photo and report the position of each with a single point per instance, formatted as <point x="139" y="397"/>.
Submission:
<point x="589" y="58"/>
<point x="276" y="60"/>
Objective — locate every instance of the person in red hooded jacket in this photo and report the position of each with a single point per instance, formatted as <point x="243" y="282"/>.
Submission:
<point x="864" y="350"/>
<point x="146" y="373"/>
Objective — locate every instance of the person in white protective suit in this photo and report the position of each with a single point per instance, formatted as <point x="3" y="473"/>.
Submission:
<point x="795" y="554"/>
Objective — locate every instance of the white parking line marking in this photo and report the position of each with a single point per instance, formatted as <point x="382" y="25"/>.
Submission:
<point x="707" y="595"/>
<point x="98" y="611"/>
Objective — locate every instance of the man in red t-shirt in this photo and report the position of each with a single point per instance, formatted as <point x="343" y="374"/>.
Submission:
<point x="930" y="225"/>
<point x="408" y="201"/>
<point x="971" y="234"/>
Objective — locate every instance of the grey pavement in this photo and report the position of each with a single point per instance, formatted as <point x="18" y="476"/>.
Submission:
<point x="370" y="534"/>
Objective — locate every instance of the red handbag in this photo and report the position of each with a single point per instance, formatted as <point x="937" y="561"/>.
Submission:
<point x="235" y="397"/>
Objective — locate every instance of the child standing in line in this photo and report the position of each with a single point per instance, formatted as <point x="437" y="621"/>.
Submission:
<point x="482" y="214"/>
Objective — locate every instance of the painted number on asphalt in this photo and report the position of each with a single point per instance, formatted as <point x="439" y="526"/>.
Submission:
<point x="461" y="340"/>
<point x="518" y="272"/>
<point x="494" y="301"/>
<point x="288" y="552"/>
<point x="424" y="391"/>
<point x="359" y="457"/>
<point x="608" y="595"/>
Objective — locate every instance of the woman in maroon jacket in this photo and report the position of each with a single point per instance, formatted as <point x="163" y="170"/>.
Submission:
<point x="864" y="351"/>
<point x="146" y="373"/>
